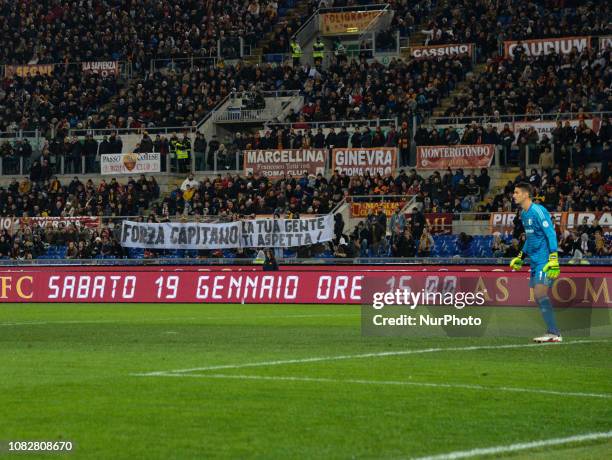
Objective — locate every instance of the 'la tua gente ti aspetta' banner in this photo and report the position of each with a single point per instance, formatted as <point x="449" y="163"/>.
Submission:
<point x="272" y="233"/>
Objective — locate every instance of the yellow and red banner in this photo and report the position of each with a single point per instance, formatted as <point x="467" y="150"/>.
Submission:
<point x="346" y="22"/>
<point x="363" y="209"/>
<point x="29" y="70"/>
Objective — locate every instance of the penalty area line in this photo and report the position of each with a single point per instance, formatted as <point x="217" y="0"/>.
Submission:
<point x="364" y="355"/>
<point x="388" y="382"/>
<point x="519" y="446"/>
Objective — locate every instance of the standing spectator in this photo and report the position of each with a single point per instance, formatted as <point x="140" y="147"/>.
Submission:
<point x="199" y="151"/>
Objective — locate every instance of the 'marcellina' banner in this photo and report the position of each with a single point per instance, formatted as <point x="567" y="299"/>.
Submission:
<point x="454" y="156"/>
<point x="357" y="162"/>
<point x="276" y="164"/>
<point x="424" y="52"/>
<point x="545" y="46"/>
<point x="586" y="287"/>
<point x="276" y="233"/>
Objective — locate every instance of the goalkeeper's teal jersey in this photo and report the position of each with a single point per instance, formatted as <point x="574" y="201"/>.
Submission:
<point x="540" y="232"/>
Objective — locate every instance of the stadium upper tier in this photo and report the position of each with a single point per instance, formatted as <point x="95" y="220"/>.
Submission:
<point x="135" y="33"/>
<point x="54" y="31"/>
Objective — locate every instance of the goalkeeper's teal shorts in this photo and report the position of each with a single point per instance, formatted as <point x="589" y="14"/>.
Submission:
<point x="538" y="276"/>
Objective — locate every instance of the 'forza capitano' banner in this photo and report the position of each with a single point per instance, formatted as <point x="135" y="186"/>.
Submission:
<point x="273" y="233"/>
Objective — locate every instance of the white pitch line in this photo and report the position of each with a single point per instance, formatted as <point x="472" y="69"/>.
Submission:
<point x="205" y="318"/>
<point x="519" y="446"/>
<point x="364" y="355"/>
<point x="391" y="382"/>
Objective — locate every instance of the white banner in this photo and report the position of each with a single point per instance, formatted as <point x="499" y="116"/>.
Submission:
<point x="546" y="46"/>
<point x="130" y="163"/>
<point x="272" y="233"/>
<point x="547" y="127"/>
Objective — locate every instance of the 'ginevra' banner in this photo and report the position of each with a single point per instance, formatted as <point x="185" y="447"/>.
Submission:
<point x="274" y="233"/>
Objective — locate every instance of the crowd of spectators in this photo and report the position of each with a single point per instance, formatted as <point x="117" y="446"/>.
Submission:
<point x="524" y="85"/>
<point x="51" y="31"/>
<point x="48" y="197"/>
<point x="571" y="190"/>
<point x="53" y="103"/>
<point x="565" y="146"/>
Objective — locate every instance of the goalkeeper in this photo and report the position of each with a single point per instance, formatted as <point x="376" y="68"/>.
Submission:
<point x="541" y="247"/>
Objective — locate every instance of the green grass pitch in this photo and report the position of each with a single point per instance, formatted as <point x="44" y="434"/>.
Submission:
<point x="290" y="381"/>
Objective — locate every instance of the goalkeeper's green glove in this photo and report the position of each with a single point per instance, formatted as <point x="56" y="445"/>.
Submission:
<point x="517" y="262"/>
<point x="551" y="269"/>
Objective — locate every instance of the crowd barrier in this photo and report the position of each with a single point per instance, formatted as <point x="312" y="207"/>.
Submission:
<point x="578" y="286"/>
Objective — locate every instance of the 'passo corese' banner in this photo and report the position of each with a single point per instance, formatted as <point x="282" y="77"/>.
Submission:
<point x="130" y="163"/>
<point x="578" y="286"/>
<point x="357" y="162"/>
<point x="279" y="163"/>
<point x="454" y="156"/>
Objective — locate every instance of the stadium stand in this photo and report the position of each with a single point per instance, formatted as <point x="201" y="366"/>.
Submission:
<point x="182" y="37"/>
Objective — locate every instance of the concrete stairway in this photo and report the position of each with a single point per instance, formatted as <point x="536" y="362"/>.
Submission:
<point x="300" y="10"/>
<point x="459" y="89"/>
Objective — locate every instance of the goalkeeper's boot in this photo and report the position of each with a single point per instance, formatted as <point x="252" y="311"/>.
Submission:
<point x="549" y="338"/>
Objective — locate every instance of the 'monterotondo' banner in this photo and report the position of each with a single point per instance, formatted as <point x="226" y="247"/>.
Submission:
<point x="545" y="46"/>
<point x="504" y="221"/>
<point x="279" y="163"/>
<point x="130" y="163"/>
<point x="102" y="68"/>
<point x="420" y="52"/>
<point x="29" y="70"/>
<point x="454" y="156"/>
<point x="356" y="162"/>
<point x="577" y="286"/>
<point x="275" y="233"/>
<point x="348" y="22"/>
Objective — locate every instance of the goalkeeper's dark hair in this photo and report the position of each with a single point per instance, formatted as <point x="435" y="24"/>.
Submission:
<point x="525" y="187"/>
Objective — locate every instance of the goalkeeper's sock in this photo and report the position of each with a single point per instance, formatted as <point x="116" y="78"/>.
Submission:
<point x="548" y="314"/>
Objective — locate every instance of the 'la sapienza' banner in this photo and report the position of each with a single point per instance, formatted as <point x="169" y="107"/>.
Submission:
<point x="274" y="233"/>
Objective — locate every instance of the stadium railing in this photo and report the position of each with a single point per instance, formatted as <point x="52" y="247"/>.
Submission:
<point x="456" y="260"/>
<point x="512" y="118"/>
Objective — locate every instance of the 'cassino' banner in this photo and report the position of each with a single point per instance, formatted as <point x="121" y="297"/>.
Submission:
<point x="29" y="70"/>
<point x="348" y="22"/>
<point x="130" y="163"/>
<point x="103" y="68"/>
<point x="276" y="233"/>
<point x="504" y="221"/>
<point x="454" y="156"/>
<point x="582" y="287"/>
<point x="545" y="46"/>
<point x="363" y="209"/>
<point x="276" y="164"/>
<point x="356" y="162"/>
<point x="420" y="52"/>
